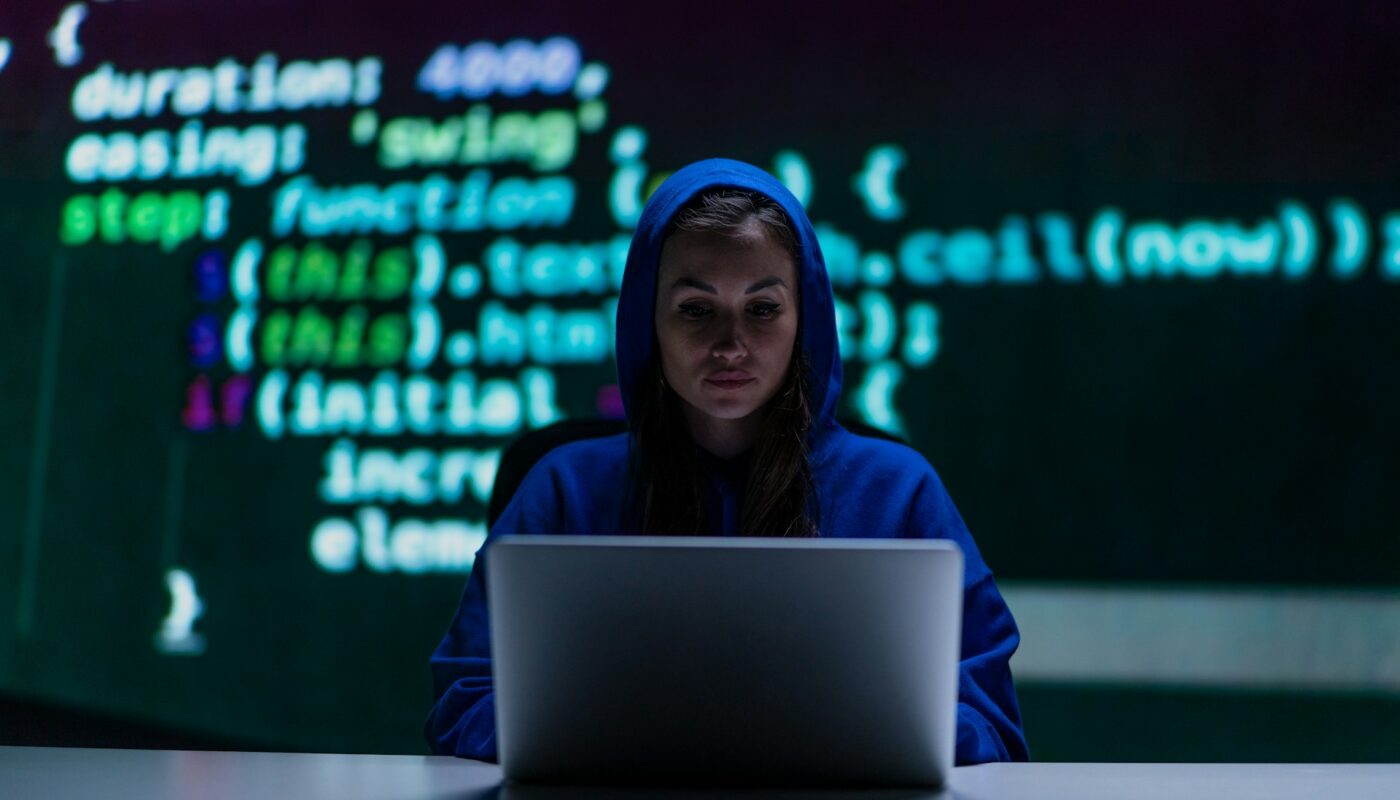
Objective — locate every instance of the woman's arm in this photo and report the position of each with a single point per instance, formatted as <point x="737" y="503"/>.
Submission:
<point x="989" y="717"/>
<point x="463" y="718"/>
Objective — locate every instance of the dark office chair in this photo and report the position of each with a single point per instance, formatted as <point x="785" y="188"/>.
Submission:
<point x="522" y="454"/>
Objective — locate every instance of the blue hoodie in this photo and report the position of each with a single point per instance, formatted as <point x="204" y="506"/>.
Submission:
<point x="865" y="488"/>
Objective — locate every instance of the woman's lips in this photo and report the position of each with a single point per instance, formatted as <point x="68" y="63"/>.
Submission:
<point x="730" y="380"/>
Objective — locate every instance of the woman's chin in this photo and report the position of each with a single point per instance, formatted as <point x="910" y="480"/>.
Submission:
<point x="726" y="408"/>
<point x="732" y="414"/>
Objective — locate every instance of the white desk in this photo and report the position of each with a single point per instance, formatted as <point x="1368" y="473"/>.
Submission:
<point x="46" y="773"/>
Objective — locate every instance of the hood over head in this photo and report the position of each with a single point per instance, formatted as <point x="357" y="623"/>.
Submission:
<point x="636" y="324"/>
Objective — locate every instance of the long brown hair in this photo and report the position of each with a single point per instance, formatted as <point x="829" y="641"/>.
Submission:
<point x="779" y="497"/>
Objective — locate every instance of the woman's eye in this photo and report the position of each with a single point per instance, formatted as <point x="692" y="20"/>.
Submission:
<point x="764" y="310"/>
<point x="693" y="311"/>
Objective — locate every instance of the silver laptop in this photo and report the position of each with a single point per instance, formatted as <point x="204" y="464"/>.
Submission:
<point x="699" y="660"/>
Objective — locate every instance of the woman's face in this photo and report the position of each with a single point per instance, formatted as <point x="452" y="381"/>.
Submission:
<point x="726" y="321"/>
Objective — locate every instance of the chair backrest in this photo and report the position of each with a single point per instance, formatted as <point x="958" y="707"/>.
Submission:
<point x="522" y="454"/>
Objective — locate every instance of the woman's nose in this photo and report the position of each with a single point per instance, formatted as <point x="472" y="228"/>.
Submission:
<point x="728" y="346"/>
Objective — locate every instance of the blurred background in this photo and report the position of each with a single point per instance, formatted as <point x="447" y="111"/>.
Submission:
<point x="279" y="281"/>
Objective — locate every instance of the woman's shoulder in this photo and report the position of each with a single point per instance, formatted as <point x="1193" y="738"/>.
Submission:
<point x="589" y="458"/>
<point x="852" y="464"/>
<point x="847" y="451"/>
<point x="870" y="487"/>
<point x="574" y="487"/>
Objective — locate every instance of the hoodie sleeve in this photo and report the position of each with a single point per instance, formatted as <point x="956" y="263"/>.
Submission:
<point x="463" y="718"/>
<point x="989" y="717"/>
<point x="462" y="721"/>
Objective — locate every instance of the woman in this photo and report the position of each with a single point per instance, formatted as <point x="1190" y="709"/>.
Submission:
<point x="730" y="374"/>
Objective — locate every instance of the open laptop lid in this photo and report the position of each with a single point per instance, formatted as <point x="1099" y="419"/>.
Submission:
<point x="725" y="660"/>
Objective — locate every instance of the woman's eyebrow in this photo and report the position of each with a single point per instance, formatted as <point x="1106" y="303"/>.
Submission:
<point x="772" y="280"/>
<point x="695" y="284"/>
